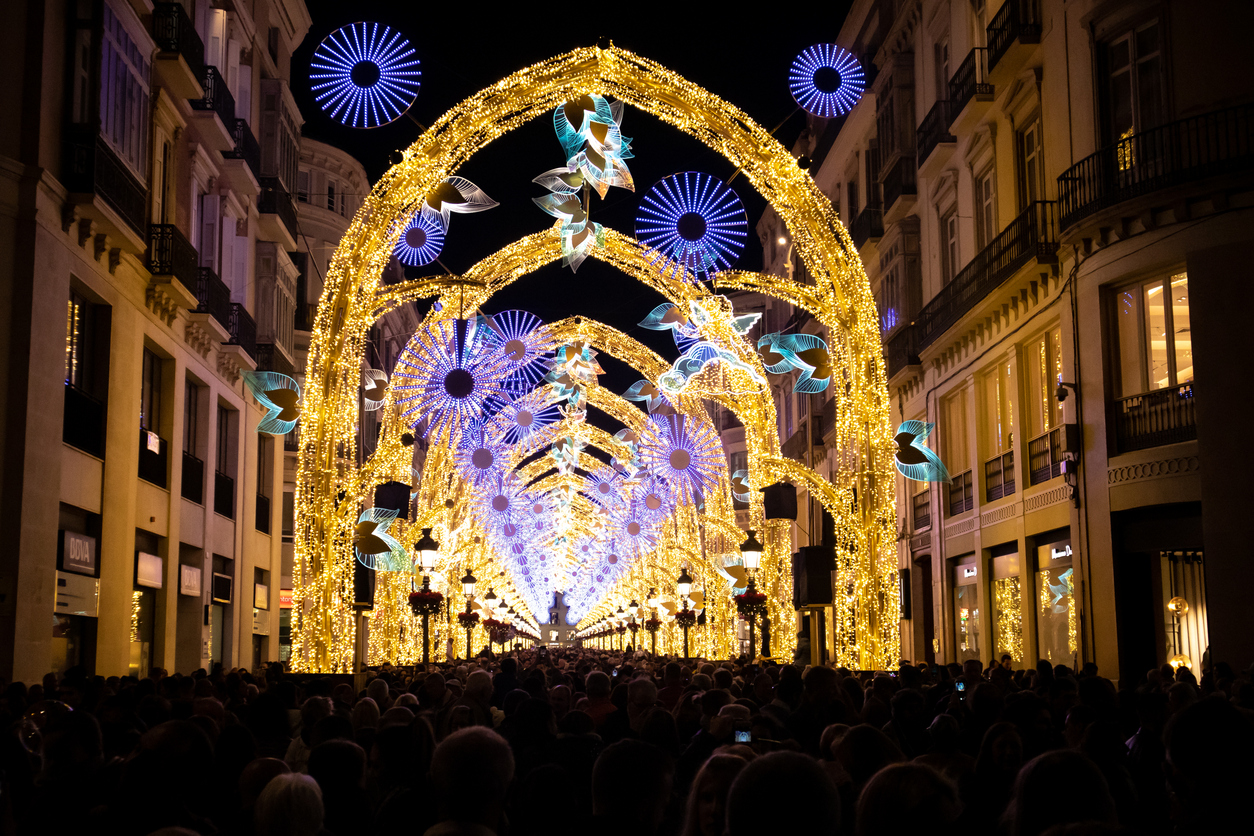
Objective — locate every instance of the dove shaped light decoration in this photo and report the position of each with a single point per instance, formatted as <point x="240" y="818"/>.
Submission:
<point x="365" y="75"/>
<point x="693" y="225"/>
<point x="670" y="317"/>
<point x="448" y="374"/>
<point x="454" y="194"/>
<point x="648" y="393"/>
<point x="807" y="353"/>
<point x="686" y="454"/>
<point x="915" y="461"/>
<point x="374" y="388"/>
<point x="280" y="395"/>
<point x="740" y="486"/>
<point x="375" y="547"/>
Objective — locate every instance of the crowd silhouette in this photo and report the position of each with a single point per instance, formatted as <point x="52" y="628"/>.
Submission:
<point x="606" y="743"/>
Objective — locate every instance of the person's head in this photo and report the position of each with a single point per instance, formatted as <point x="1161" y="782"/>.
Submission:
<point x="1208" y="761"/>
<point x="377" y="690"/>
<point x="311" y="711"/>
<point x="561" y="699"/>
<point x="707" y="801"/>
<point x="822" y="686"/>
<point x="1034" y="808"/>
<point x="907" y="798"/>
<point x="632" y="769"/>
<point x="290" y="805"/>
<point x="1001" y="750"/>
<point x="472" y="770"/>
<point x="365" y="714"/>
<point x="863" y="751"/>
<point x="641" y="694"/>
<point x="479" y="687"/>
<point x="597" y="685"/>
<point x="673" y="674"/>
<point x="813" y="804"/>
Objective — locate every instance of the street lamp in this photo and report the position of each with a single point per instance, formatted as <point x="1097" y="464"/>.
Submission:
<point x="468" y="587"/>
<point x="751" y="552"/>
<point x="427" y="550"/>
<point x="620" y="626"/>
<point x="683" y="586"/>
<point x="652" y="623"/>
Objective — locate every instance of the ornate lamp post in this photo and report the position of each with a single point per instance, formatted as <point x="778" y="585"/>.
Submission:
<point x="751" y="602"/>
<point x="653" y="623"/>
<point x="685" y="617"/>
<point x="468" y="618"/>
<point x="425" y="602"/>
<point x="621" y="626"/>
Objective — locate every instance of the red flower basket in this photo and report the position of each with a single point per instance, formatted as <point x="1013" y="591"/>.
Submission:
<point x="468" y="620"/>
<point x="685" y="618"/>
<point x="426" y="603"/>
<point x="750" y="604"/>
<point x="653" y="625"/>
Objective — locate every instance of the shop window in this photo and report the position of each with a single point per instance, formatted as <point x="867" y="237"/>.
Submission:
<point x="1155" y="338"/>
<point x="1007" y="607"/>
<point x="967" y="612"/>
<point x="1057" y="629"/>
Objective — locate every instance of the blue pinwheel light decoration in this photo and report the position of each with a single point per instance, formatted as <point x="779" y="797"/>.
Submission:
<point x="693" y="224"/>
<point x="365" y="75"/>
<point x="826" y="80"/>
<point x="915" y="461"/>
<point x="421" y="242"/>
<point x="807" y="353"/>
<point x="525" y="342"/>
<point x="685" y="454"/>
<point x="280" y="395"/>
<point x="375" y="547"/>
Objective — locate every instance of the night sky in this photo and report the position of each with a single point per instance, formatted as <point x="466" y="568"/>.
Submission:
<point x="464" y="48"/>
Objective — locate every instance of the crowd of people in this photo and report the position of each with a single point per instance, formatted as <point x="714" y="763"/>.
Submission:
<point x="604" y="743"/>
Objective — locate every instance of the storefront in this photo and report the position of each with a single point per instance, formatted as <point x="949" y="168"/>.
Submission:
<point x="1057" y="628"/>
<point x="1007" y="603"/>
<point x="77" y="602"/>
<point x="149" y="575"/>
<point x="966" y="609"/>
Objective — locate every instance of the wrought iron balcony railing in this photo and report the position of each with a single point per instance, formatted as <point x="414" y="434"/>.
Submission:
<point x="246" y="147"/>
<point x="961" y="494"/>
<point x="969" y="81"/>
<point x="214" y="296"/>
<point x="243" y="329"/>
<point x="1045" y="456"/>
<point x="999" y="476"/>
<point x="934" y="130"/>
<point x="1034" y="234"/>
<point x="91" y="167"/>
<point x="1018" y="20"/>
<point x="217" y="97"/>
<point x="173" y="31"/>
<point x="193" y="488"/>
<point x="1210" y="144"/>
<point x="900" y="180"/>
<point x="1164" y="416"/>
<point x="922" y="509"/>
<point x="171" y="254"/>
<point x="274" y="200"/>
<point x="902" y="349"/>
<point x="869" y="224"/>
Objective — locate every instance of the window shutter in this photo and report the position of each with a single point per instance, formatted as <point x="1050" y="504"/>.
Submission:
<point x="244" y="98"/>
<point x="239" y="290"/>
<point x="209" y="231"/>
<point x="215" y="44"/>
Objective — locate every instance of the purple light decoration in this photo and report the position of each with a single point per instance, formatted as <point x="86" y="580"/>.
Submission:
<point x="519" y="423"/>
<point x="421" y="242"/>
<point x="522" y="337"/>
<point x="826" y="80"/>
<point x="365" y="75"/>
<point x="687" y="455"/>
<point x="693" y="224"/>
<point x="479" y="457"/>
<point x="451" y="373"/>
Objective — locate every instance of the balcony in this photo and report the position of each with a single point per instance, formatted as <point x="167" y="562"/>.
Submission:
<point x="291" y="441"/>
<point x="217" y="105"/>
<point x="171" y="254"/>
<point x="1032" y="235"/>
<point x="1045" y="457"/>
<point x="961" y="494"/>
<point x="999" y="477"/>
<point x="223" y="495"/>
<point x="83" y="426"/>
<point x="900" y="188"/>
<point x="242" y="163"/>
<point x="934" y="134"/>
<point x="921" y="506"/>
<point x="1186" y="151"/>
<point x="242" y="329"/>
<point x="868" y="226"/>
<point x="795" y="447"/>
<point x="970" y="91"/>
<point x="180" y="59"/>
<point x="305" y="316"/>
<point x="278" y="214"/>
<point x="270" y="359"/>
<point x="1164" y="416"/>
<point x="1014" y="31"/>
<point x="153" y="459"/>
<point x="193" y="479"/>
<point x="104" y="190"/>
<point x="262" y="518"/>
<point x="902" y="350"/>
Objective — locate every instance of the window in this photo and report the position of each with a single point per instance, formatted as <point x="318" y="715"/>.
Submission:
<point x="1031" y="164"/>
<point x="1043" y="373"/>
<point x="852" y="191"/>
<point x="265" y="446"/>
<point x="803" y="405"/>
<point x="150" y="393"/>
<point x="225" y="464"/>
<point x="331" y="194"/>
<point x="949" y="246"/>
<point x="956" y="450"/>
<point x="77" y="340"/>
<point x="940" y="61"/>
<point x="302" y="186"/>
<point x="998" y="430"/>
<point x="191" y="418"/>
<point x="124" y="116"/>
<point x="985" y="209"/>
<point x="1155" y="339"/>
<point x="891" y="297"/>
<point x="210" y="219"/>
<point x="1133" y="70"/>
<point x="786" y="416"/>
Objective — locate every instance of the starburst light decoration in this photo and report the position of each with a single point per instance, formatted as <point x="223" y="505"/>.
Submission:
<point x="523" y="339"/>
<point x="826" y="80"/>
<point x="686" y="454"/>
<point x="448" y="374"/>
<point x="365" y="75"/>
<point x="421" y="242"/>
<point x="694" y="224"/>
<point x="280" y="395"/>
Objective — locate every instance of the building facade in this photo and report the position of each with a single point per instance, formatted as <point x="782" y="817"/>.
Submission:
<point x="150" y="178"/>
<point x="1028" y="183"/>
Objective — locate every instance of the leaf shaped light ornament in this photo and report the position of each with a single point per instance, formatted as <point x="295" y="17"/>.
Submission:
<point x="915" y="461"/>
<point x="649" y="393"/>
<point x="455" y="194"/>
<point x="374" y="388"/>
<point x="375" y="547"/>
<point x="589" y="130"/>
<point x="280" y="395"/>
<point x="808" y="353"/>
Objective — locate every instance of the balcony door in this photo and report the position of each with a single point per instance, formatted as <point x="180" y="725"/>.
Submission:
<point x="1133" y="79"/>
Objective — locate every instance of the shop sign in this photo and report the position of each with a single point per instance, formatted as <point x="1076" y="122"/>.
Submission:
<point x="78" y="553"/>
<point x="1056" y="553"/>
<point x="189" y="580"/>
<point x="285" y="599"/>
<point x="148" y="570"/>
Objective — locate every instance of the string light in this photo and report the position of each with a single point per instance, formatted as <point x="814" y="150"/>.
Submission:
<point x="332" y="484"/>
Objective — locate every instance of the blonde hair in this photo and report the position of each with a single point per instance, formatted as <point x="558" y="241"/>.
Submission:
<point x="290" y="805"/>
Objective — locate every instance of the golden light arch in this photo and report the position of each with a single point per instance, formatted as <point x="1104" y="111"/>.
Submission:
<point x="860" y="495"/>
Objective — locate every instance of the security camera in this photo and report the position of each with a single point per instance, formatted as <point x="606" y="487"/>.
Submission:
<point x="1061" y="393"/>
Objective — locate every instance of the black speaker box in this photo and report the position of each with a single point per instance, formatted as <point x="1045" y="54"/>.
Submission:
<point x="812" y="576"/>
<point x="393" y="496"/>
<point x="780" y="501"/>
